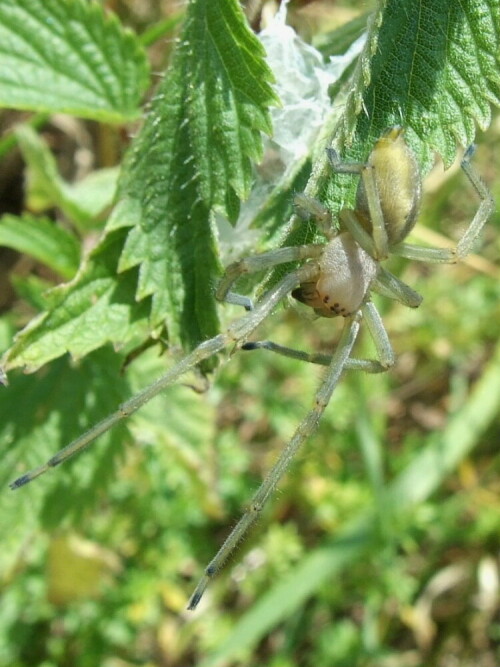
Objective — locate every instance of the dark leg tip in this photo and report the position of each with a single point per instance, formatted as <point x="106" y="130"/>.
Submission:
<point x="193" y="602"/>
<point x="468" y="153"/>
<point x="250" y="346"/>
<point x="20" y="481"/>
<point x="333" y="156"/>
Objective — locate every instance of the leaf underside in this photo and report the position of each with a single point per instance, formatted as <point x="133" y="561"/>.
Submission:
<point x="435" y="70"/>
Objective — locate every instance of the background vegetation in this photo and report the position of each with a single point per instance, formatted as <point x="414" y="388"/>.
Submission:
<point x="382" y="545"/>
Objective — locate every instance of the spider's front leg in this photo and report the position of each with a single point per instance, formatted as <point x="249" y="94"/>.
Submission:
<point x="256" y="263"/>
<point x="237" y="332"/>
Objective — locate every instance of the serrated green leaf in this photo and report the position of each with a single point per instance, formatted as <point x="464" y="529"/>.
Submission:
<point x="435" y="71"/>
<point x="85" y="312"/>
<point x="227" y="94"/>
<point x="68" y="56"/>
<point x="192" y="155"/>
<point x="42" y="239"/>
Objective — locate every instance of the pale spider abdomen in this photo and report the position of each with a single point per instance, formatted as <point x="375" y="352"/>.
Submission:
<point x="398" y="183"/>
<point x="345" y="274"/>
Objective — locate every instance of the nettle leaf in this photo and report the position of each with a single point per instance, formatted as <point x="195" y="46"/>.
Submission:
<point x="443" y="82"/>
<point x="83" y="313"/>
<point x="194" y="154"/>
<point x="69" y="56"/>
<point x="434" y="69"/>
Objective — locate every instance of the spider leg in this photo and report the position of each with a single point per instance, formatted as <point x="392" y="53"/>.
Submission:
<point x="349" y="222"/>
<point x="486" y="206"/>
<point x="310" y="207"/>
<point x="471" y="234"/>
<point x="235" y="333"/>
<point x="377" y="332"/>
<point x="367" y="365"/>
<point x="388" y="285"/>
<point x="304" y="430"/>
<point x="261" y="262"/>
<point x="383" y="346"/>
<point x="375" y="244"/>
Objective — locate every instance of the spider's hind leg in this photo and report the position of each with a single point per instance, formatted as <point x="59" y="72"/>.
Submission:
<point x="466" y="244"/>
<point x="307" y="426"/>
<point x="485" y="209"/>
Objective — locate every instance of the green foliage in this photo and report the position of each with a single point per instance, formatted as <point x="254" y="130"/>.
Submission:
<point x="337" y="572"/>
<point x="42" y="240"/>
<point x="191" y="157"/>
<point x="52" y="413"/>
<point x="69" y="57"/>
<point x="430" y="67"/>
<point x="46" y="188"/>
